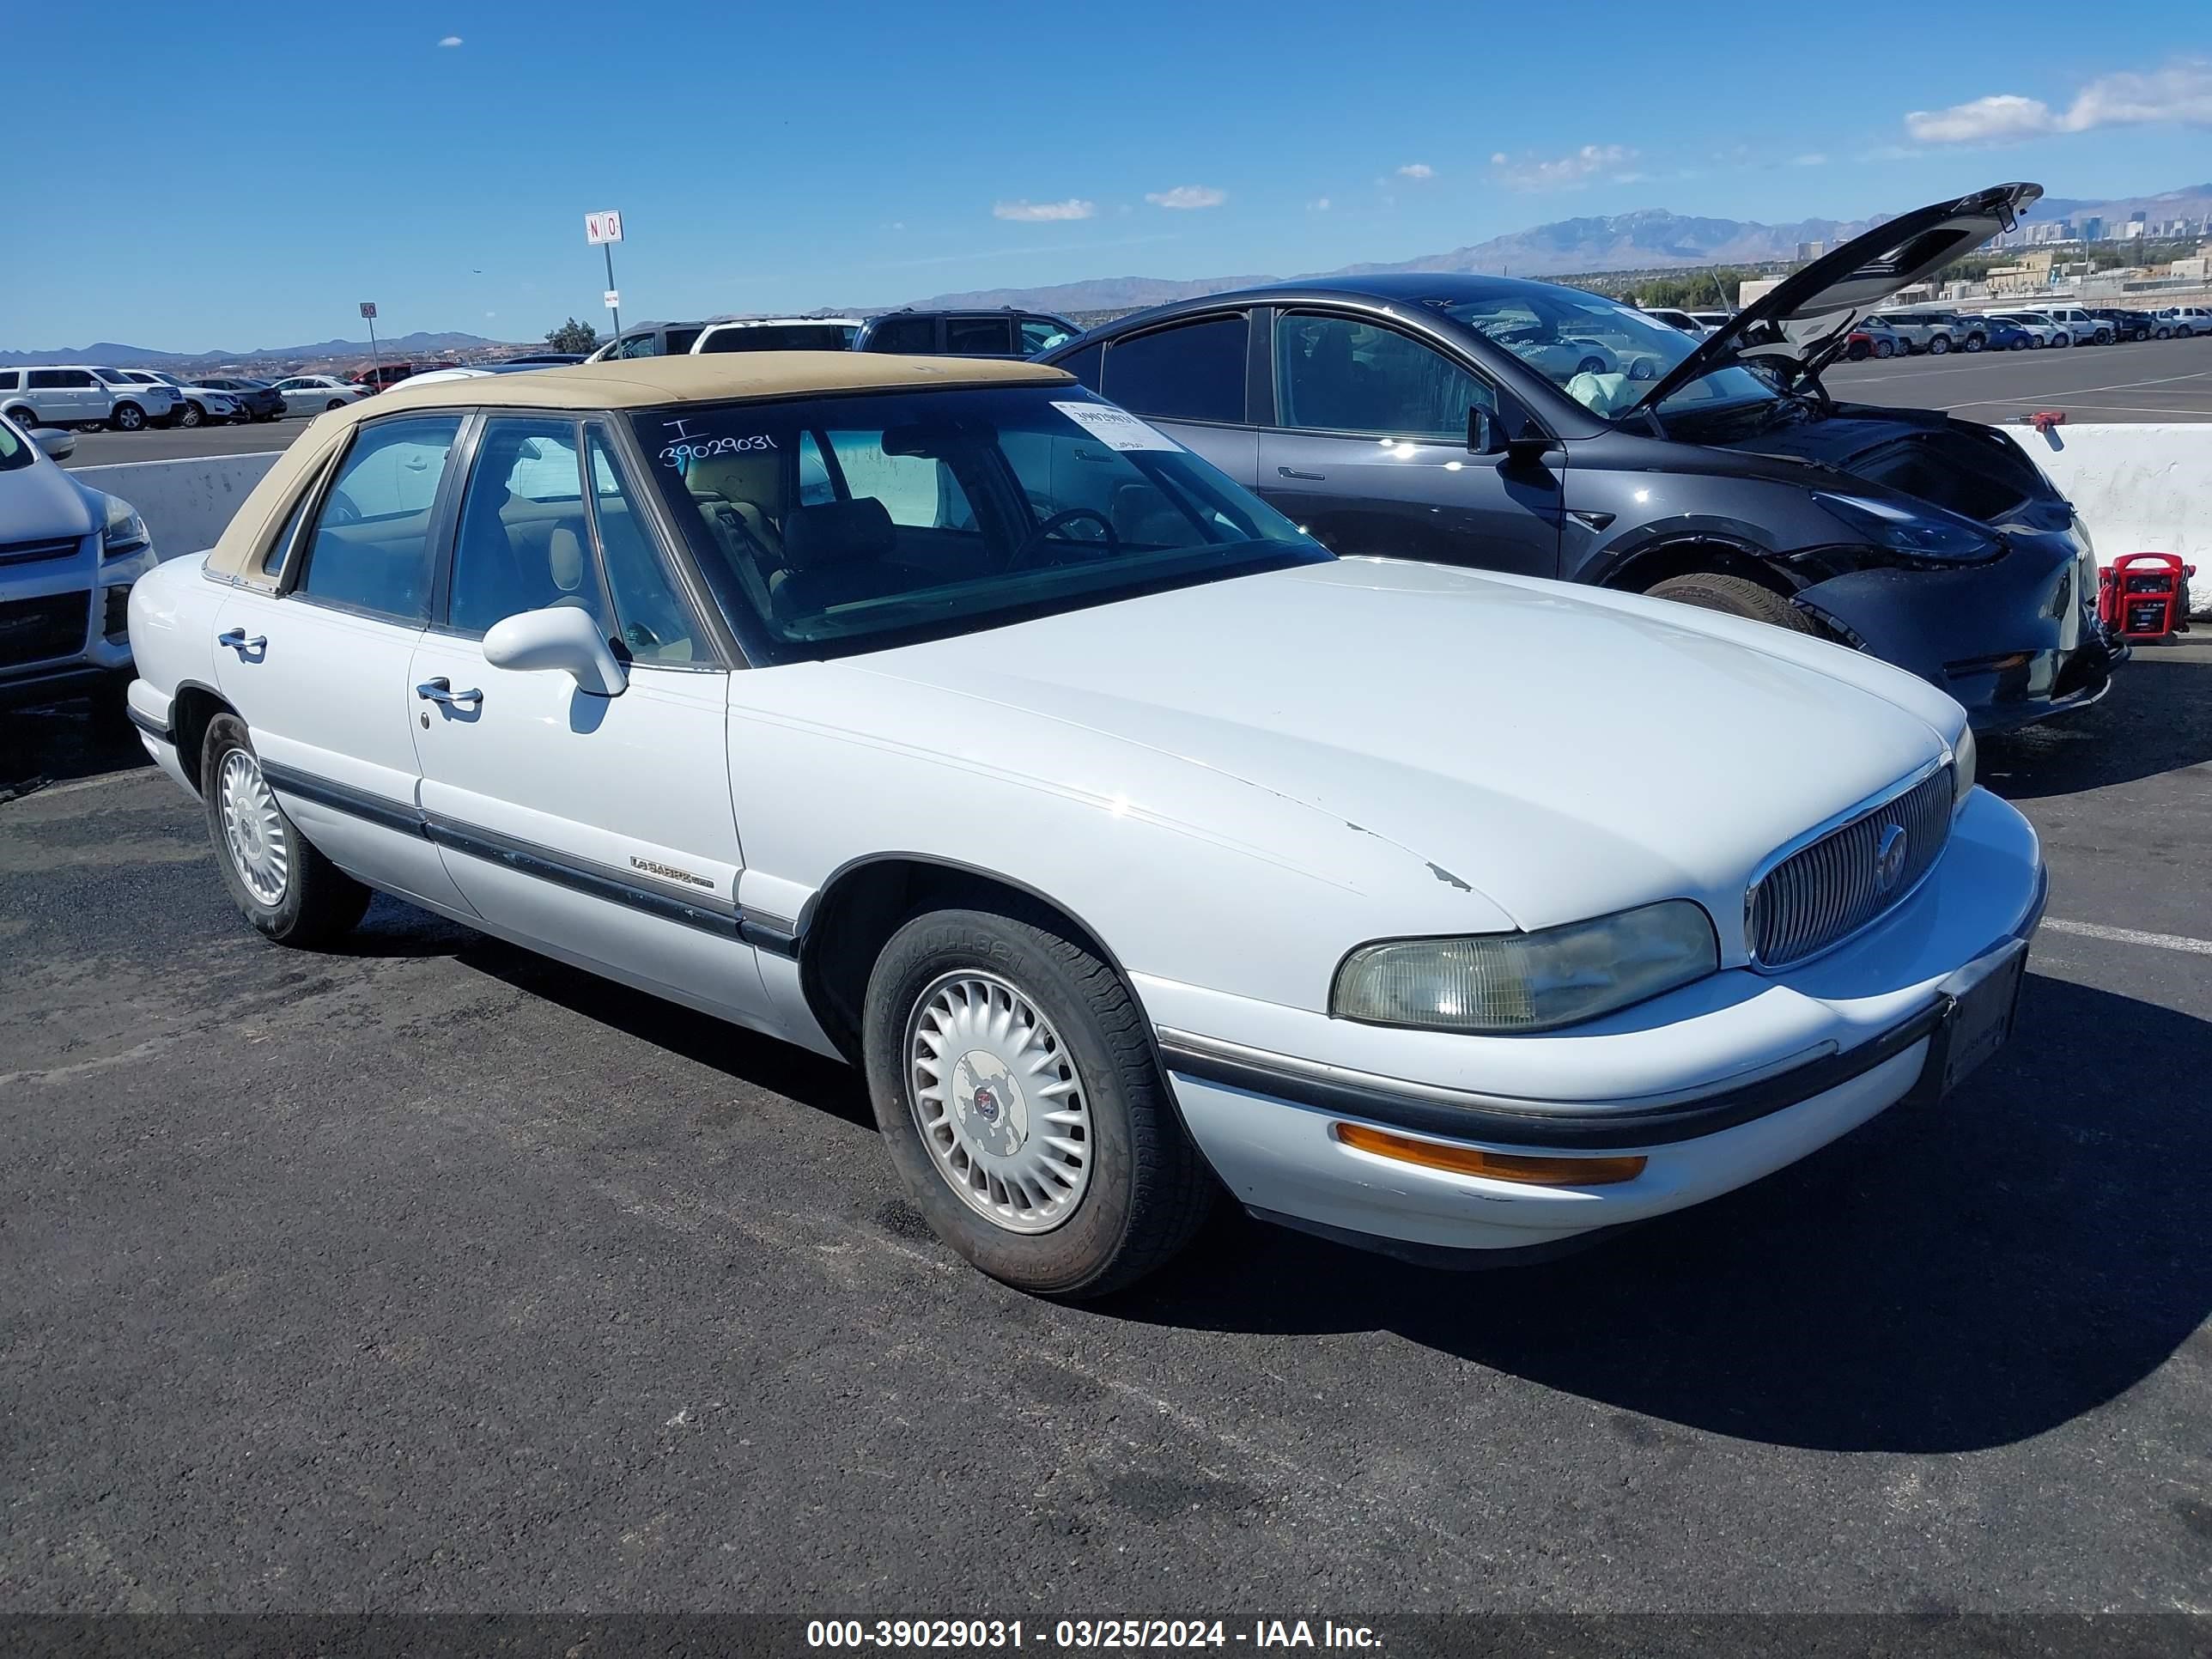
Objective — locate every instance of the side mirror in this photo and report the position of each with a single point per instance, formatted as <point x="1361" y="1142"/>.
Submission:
<point x="58" y="445"/>
<point x="561" y="636"/>
<point x="1484" y="436"/>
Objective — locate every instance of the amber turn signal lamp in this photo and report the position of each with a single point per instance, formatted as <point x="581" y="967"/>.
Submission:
<point x="1498" y="1166"/>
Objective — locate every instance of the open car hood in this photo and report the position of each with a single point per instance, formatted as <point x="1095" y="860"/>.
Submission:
<point x="1810" y="311"/>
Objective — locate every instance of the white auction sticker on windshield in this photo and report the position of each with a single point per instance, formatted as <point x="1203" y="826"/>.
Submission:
<point x="1115" y="428"/>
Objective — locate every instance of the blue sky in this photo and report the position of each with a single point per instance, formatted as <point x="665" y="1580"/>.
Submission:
<point x="232" y="175"/>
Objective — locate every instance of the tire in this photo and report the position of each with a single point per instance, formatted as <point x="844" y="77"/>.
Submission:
<point x="1974" y="342"/>
<point x="1736" y="596"/>
<point x="126" y="417"/>
<point x="1590" y="366"/>
<point x="2183" y="333"/>
<point x="2023" y="343"/>
<point x="2035" y="343"/>
<point x="1885" y="348"/>
<point x="2061" y="340"/>
<point x="2162" y="334"/>
<point x="189" y="415"/>
<point x="299" y="897"/>
<point x="27" y="419"/>
<point x="1856" y="351"/>
<point x="1938" y="345"/>
<point x="1139" y="1189"/>
<point x="335" y="403"/>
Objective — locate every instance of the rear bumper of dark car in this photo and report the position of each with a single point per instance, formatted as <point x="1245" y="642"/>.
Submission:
<point x="2015" y="641"/>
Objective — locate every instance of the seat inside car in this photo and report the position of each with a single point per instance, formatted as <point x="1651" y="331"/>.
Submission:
<point x="835" y="553"/>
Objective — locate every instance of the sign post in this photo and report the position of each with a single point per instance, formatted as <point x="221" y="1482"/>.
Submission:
<point x="603" y="231"/>
<point x="376" y="354"/>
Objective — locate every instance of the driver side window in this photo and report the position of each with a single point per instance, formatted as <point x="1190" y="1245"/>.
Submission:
<point x="1346" y="375"/>
<point x="369" y="549"/>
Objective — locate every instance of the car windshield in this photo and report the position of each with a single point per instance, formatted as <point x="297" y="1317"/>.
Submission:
<point x="14" y="450"/>
<point x="781" y="337"/>
<point x="842" y="525"/>
<point x="1603" y="354"/>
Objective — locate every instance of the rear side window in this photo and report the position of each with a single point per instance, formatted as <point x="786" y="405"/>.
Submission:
<point x="904" y="334"/>
<point x="980" y="336"/>
<point x="1193" y="372"/>
<point x="1084" y="365"/>
<point x="370" y="545"/>
<point x="8" y="379"/>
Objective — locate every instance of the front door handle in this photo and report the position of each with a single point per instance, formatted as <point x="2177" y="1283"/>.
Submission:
<point x="236" y="640"/>
<point x="1292" y="472"/>
<point x="441" y="691"/>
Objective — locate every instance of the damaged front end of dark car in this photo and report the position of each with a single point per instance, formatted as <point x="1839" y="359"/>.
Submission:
<point x="1949" y="552"/>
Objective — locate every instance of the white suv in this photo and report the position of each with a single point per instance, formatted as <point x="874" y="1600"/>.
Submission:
<point x="84" y="394"/>
<point x="2084" y="329"/>
<point x="2179" y="322"/>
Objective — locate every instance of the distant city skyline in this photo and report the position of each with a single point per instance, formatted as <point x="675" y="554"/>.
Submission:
<point x="439" y="158"/>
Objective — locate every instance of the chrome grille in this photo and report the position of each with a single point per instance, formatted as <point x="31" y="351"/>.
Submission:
<point x="1823" y="893"/>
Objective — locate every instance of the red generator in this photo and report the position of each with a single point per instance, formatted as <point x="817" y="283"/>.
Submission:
<point x="2140" y="596"/>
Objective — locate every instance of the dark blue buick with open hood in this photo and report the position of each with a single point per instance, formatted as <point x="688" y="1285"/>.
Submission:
<point x="1524" y="426"/>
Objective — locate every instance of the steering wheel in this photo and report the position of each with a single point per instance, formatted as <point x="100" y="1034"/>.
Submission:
<point x="342" y="509"/>
<point x="1037" y="537"/>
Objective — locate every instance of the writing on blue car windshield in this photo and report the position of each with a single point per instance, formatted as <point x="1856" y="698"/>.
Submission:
<point x="832" y="525"/>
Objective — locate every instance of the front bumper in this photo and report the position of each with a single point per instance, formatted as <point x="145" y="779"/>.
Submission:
<point x="2014" y="640"/>
<point x="1714" y="1085"/>
<point x="94" y="593"/>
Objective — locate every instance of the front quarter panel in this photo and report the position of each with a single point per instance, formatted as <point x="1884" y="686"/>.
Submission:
<point x="171" y="618"/>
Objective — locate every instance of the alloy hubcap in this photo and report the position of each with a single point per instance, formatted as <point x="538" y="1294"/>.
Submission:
<point x="253" y="828"/>
<point x="997" y="1098"/>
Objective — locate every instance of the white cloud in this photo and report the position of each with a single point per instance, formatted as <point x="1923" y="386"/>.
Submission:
<point x="1569" y="172"/>
<point x="1416" y="170"/>
<point x="1319" y="204"/>
<point x="1037" y="212"/>
<point x="1813" y="159"/>
<point x="450" y="40"/>
<point x="2178" y="94"/>
<point x="1188" y="196"/>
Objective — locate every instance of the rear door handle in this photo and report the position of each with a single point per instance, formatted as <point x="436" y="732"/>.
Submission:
<point x="441" y="691"/>
<point x="1292" y="472"/>
<point x="236" y="640"/>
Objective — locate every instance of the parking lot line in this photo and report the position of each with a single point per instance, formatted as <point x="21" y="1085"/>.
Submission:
<point x="2084" y="391"/>
<point x="2200" y="947"/>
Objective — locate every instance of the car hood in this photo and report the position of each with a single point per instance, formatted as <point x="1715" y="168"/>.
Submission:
<point x="1806" y="310"/>
<point x="42" y="499"/>
<point x="1563" y="752"/>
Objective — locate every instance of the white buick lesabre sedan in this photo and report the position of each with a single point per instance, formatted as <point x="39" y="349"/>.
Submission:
<point x="935" y="714"/>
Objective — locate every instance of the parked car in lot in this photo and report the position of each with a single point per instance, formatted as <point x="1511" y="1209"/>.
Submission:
<point x="1675" y="318"/>
<point x="377" y="377"/>
<point x="1873" y="338"/>
<point x="83" y="395"/>
<point x="1935" y="333"/>
<point x="258" y="400"/>
<point x="777" y="334"/>
<point x="314" y="394"/>
<point x="477" y="372"/>
<point x="649" y="340"/>
<point x="2081" y="326"/>
<point x="2125" y="325"/>
<point x="1711" y="319"/>
<point x="2181" y="322"/>
<point x="948" y="719"/>
<point x="1003" y="333"/>
<point x="1431" y="417"/>
<point x="200" y="404"/>
<point x="1996" y="334"/>
<point x="69" y="558"/>
<point x="2042" y="331"/>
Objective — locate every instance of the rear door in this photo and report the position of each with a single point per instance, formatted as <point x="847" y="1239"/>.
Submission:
<point x="599" y="827"/>
<point x="1192" y="378"/>
<point x="319" y="669"/>
<point x="1369" y="451"/>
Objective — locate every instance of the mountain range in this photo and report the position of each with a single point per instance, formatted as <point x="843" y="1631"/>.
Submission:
<point x="132" y="356"/>
<point x="1649" y="239"/>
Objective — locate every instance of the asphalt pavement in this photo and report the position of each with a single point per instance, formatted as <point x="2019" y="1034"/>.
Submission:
<point x="157" y="443"/>
<point x="426" y="1273"/>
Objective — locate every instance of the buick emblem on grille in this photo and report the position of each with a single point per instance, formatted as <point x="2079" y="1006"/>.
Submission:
<point x="1889" y="855"/>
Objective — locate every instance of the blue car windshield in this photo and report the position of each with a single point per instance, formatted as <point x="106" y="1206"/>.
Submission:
<point x="834" y="526"/>
<point x="1603" y="354"/>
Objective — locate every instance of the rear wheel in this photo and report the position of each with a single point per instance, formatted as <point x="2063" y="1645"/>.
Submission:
<point x="335" y="403"/>
<point x="1856" y="351"/>
<point x="24" y="418"/>
<point x="2062" y="338"/>
<point x="2022" y="341"/>
<point x="1590" y="366"/>
<point x="1021" y="1107"/>
<point x="279" y="882"/>
<point x="2162" y="334"/>
<point x="2183" y="333"/>
<point x="1736" y="596"/>
<point x="1885" y="348"/>
<point x="1974" y="342"/>
<point x="126" y="417"/>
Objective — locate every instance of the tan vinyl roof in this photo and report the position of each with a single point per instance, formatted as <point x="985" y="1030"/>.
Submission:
<point x="627" y="383"/>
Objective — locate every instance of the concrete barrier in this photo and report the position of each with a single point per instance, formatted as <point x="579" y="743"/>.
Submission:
<point x="2145" y="489"/>
<point x="185" y="503"/>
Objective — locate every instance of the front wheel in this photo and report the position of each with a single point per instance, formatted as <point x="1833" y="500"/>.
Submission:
<point x="1940" y="344"/>
<point x="2183" y="332"/>
<point x="1856" y="351"/>
<point x="2062" y="338"/>
<point x="190" y="415"/>
<point x="1021" y="1107"/>
<point x="1974" y="342"/>
<point x="1735" y="596"/>
<point x="1884" y="349"/>
<point x="279" y="881"/>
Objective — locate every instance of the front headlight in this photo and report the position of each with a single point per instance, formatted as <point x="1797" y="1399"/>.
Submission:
<point x="1930" y="534"/>
<point x="1962" y="767"/>
<point x="1507" y="982"/>
<point x="125" y="530"/>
